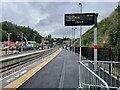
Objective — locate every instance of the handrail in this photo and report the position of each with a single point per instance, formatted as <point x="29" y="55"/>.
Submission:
<point x="101" y="61"/>
<point x="106" y="85"/>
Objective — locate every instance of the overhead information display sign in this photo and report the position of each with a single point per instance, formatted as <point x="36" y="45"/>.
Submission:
<point x="79" y="19"/>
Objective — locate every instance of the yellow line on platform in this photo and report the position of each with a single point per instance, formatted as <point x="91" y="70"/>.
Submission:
<point x="18" y="82"/>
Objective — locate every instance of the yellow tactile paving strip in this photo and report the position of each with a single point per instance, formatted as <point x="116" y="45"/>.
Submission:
<point x="17" y="83"/>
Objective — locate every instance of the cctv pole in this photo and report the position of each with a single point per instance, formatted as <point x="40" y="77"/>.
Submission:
<point x="80" y="34"/>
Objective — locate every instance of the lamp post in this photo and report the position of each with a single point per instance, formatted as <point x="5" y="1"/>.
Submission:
<point x="73" y="41"/>
<point x="22" y="42"/>
<point x="8" y="41"/>
<point x="74" y="38"/>
<point x="80" y="34"/>
<point x="34" y="40"/>
<point x="80" y="4"/>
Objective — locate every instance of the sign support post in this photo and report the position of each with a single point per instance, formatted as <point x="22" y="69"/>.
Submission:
<point x="95" y="42"/>
<point x="80" y="46"/>
<point x="80" y="35"/>
<point x="84" y="19"/>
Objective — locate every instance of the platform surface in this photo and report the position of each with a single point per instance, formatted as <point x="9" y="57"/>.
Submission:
<point x="61" y="72"/>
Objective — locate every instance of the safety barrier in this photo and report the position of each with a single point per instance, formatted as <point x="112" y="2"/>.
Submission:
<point x="90" y="80"/>
<point x="109" y="71"/>
<point x="107" y="54"/>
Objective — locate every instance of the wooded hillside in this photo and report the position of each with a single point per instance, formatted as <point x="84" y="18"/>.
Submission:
<point x="29" y="34"/>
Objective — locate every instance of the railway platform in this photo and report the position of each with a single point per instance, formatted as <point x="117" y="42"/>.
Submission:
<point x="60" y="71"/>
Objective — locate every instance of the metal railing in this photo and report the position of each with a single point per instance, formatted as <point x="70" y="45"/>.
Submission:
<point x="109" y="71"/>
<point x="107" y="54"/>
<point x="90" y="80"/>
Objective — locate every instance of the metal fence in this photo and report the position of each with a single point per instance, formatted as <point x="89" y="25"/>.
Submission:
<point x="104" y="54"/>
<point x="108" y="68"/>
<point x="109" y="71"/>
<point x="90" y="80"/>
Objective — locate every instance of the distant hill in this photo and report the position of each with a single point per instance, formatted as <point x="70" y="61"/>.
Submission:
<point x="8" y="27"/>
<point x="108" y="32"/>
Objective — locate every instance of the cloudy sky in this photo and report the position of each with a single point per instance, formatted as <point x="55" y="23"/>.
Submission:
<point x="48" y="17"/>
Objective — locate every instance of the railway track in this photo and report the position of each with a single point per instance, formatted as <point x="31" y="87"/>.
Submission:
<point x="6" y="70"/>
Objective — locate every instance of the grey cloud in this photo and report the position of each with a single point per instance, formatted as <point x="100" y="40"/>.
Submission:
<point x="55" y="19"/>
<point x="103" y="8"/>
<point x="67" y="31"/>
<point x="20" y="13"/>
<point x="48" y="17"/>
<point x="60" y="32"/>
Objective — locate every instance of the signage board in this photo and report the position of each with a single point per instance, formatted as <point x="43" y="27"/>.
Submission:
<point x="80" y="19"/>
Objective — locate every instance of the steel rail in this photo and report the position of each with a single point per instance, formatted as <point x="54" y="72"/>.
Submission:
<point x="5" y="70"/>
<point x="21" y="55"/>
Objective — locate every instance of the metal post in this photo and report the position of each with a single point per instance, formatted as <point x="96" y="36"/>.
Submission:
<point x="95" y="43"/>
<point x="73" y="29"/>
<point x="74" y="40"/>
<point x="70" y="41"/>
<point x="22" y="42"/>
<point x="34" y="40"/>
<point x="43" y="42"/>
<point x="110" y="60"/>
<point x="80" y="34"/>
<point x="95" y="48"/>
<point x="8" y="41"/>
<point x="80" y="78"/>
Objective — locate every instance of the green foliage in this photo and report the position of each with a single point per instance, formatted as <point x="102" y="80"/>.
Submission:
<point x="108" y="32"/>
<point x="3" y="35"/>
<point x="17" y="31"/>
